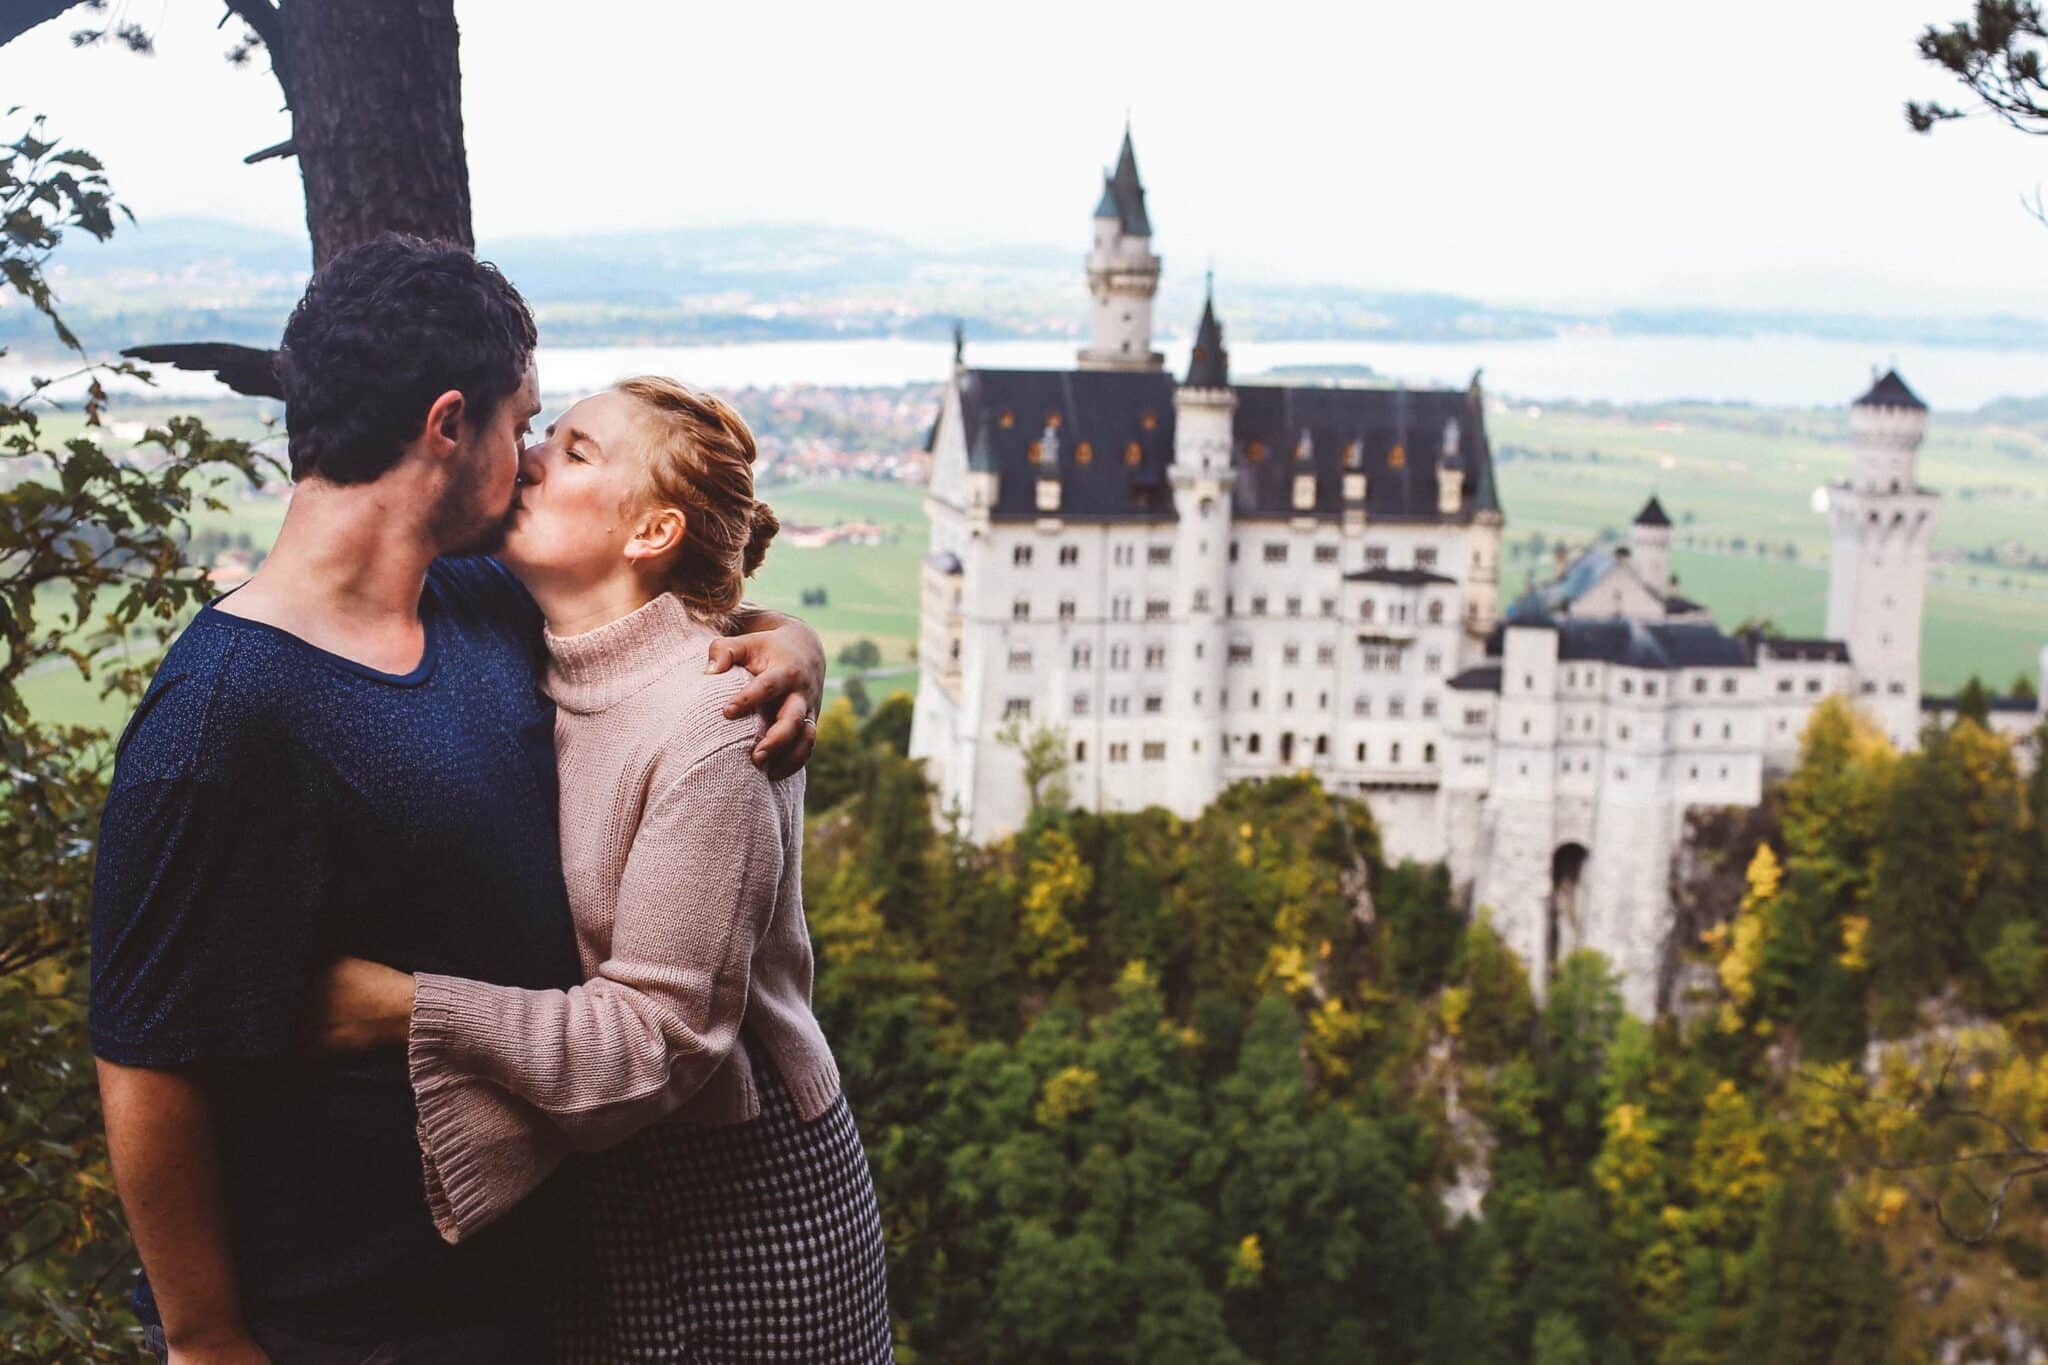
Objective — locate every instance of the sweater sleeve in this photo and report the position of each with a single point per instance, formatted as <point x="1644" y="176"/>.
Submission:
<point x="602" y="1060"/>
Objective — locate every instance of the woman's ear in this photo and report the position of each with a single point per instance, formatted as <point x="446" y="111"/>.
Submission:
<point x="661" y="530"/>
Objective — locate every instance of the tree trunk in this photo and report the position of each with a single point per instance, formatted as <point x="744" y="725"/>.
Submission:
<point x="375" y="88"/>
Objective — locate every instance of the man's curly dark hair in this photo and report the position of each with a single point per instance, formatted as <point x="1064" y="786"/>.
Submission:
<point x="382" y="331"/>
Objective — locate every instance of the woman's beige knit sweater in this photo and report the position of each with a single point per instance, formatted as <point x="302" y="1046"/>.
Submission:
<point x="683" y="864"/>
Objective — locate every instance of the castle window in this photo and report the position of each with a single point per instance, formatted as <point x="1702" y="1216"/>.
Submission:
<point x="1052" y="421"/>
<point x="1361" y="751"/>
<point x="1361" y="706"/>
<point x="1251" y="742"/>
<point x="1155" y="608"/>
<point x="1694" y="773"/>
<point x="1397" y="707"/>
<point x="1784" y="684"/>
<point x="1258" y="604"/>
<point x="1154" y="705"/>
<point x="1035" y="453"/>
<point x="1017" y="708"/>
<point x="1727" y="732"/>
<point x="1233" y="552"/>
<point x="1155" y="656"/>
<point x="1528" y="682"/>
<point x="1699" y="685"/>
<point x="1294" y="606"/>
<point x="1083" y="656"/>
<point x="1255" y="699"/>
<point x="1394" y="750"/>
<point x="1201" y="599"/>
<point x="1429" y="708"/>
<point x="1070" y="554"/>
<point x="1397" y="458"/>
<point x="1813" y="685"/>
<point x="1697" y="730"/>
<point x="1084" y="453"/>
<point x="1322" y="746"/>
<point x="1728" y="686"/>
<point x="1628" y="687"/>
<point x="1080" y="751"/>
<point x="1133" y="454"/>
<point x="1020" y="661"/>
<point x="1007" y="420"/>
<point x="1020" y="556"/>
<point x="1304" y="492"/>
<point x="1119" y="753"/>
<point x="1080" y="703"/>
<point x="1020" y="610"/>
<point x="1326" y="554"/>
<point x="1155" y="751"/>
<point x="1650" y="688"/>
<point x="1432" y="662"/>
<point x="1276" y="552"/>
<point x="1371" y="661"/>
<point x="1159" y="554"/>
<point x="1375" y="556"/>
<point x="1240" y="652"/>
<point x="1425" y="558"/>
<point x="1475" y="718"/>
<point x="1329" y="607"/>
<point x="1326" y="654"/>
<point x="1429" y="753"/>
<point x="1291" y="654"/>
<point x="1622" y="731"/>
<point x="1365" y="609"/>
<point x="1256" y="451"/>
<point x="1436" y="613"/>
<point x="1525" y="727"/>
<point x="1148" y="422"/>
<point x="1066" y="609"/>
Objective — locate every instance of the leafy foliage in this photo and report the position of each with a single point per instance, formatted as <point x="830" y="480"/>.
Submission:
<point x="93" y="576"/>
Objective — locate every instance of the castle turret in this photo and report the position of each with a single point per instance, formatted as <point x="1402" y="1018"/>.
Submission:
<point x="1203" y="477"/>
<point x="1881" y="522"/>
<point x="1123" y="274"/>
<point x="1649" y="547"/>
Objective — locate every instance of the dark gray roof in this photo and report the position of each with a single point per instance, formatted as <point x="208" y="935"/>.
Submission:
<point x="2016" y="705"/>
<point x="1805" y="650"/>
<point x="945" y="561"/>
<point x="1484" y="678"/>
<point x="1890" y="392"/>
<point x="1676" y="604"/>
<point x="1123" y="196"/>
<point x="1407" y="578"/>
<point x="1126" y="419"/>
<point x="1638" y="644"/>
<point x="1652" y="514"/>
<point x="1209" y="365"/>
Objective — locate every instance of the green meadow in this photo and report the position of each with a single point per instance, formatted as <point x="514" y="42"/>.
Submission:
<point x="1739" y="484"/>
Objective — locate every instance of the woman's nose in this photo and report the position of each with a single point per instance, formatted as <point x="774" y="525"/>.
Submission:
<point x="529" y="464"/>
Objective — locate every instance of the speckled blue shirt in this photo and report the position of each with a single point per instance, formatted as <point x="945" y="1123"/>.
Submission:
<point x="274" y="805"/>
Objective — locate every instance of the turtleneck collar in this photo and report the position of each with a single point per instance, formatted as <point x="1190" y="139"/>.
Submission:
<point x="594" y="670"/>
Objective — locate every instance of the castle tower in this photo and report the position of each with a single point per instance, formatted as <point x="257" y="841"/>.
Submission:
<point x="1649" y="547"/>
<point x="1123" y="274"/>
<point x="1203" y="477"/>
<point x="1881" y="522"/>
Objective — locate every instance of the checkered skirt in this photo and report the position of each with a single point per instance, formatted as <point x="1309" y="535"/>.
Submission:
<point x="749" y="1242"/>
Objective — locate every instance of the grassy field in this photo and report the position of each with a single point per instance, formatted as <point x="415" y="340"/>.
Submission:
<point x="1725" y="474"/>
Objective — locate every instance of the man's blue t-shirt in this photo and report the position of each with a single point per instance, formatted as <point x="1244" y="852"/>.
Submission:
<point x="274" y="806"/>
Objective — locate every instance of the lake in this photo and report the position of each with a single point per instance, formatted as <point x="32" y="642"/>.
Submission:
<point x="1769" y="371"/>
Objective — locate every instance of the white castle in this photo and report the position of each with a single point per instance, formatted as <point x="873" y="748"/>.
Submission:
<point x="1201" y="582"/>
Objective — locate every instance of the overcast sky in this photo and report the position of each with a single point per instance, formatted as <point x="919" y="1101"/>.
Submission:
<point x="1578" y="153"/>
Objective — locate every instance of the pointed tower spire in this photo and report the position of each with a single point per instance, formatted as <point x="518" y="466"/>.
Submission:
<point x="1123" y="273"/>
<point x="1209" y="365"/>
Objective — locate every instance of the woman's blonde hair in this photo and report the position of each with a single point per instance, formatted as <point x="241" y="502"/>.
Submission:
<point x="700" y="461"/>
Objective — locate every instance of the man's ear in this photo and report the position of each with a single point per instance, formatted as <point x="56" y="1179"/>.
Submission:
<point x="443" y="428"/>
<point x="661" y="530"/>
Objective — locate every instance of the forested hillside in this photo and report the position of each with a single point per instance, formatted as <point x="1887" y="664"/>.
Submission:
<point x="1140" y="1089"/>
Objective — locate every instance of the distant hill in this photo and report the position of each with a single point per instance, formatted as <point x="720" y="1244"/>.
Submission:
<point x="181" y="278"/>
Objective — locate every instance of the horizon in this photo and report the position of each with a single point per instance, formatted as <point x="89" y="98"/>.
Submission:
<point x="1581" y="202"/>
